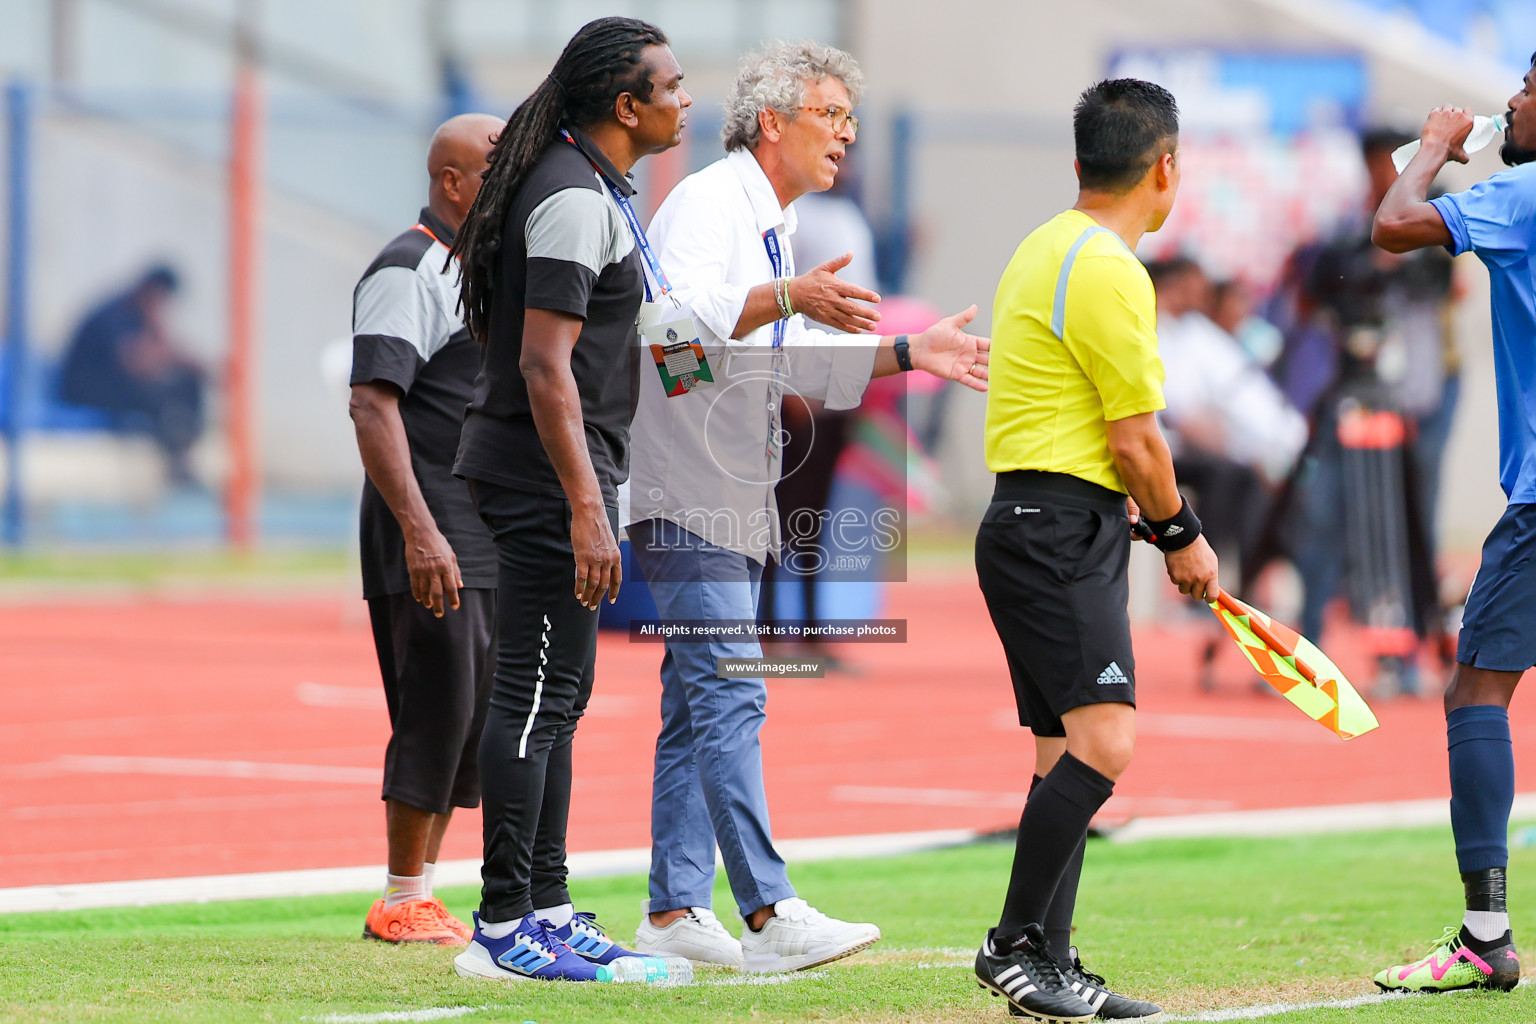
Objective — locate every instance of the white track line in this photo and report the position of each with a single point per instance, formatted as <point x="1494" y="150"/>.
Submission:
<point x="371" y="698"/>
<point x="320" y="881"/>
<point x="1275" y="1009"/>
<point x="1119" y="808"/>
<point x="1282" y="822"/>
<point x="1305" y="820"/>
<point x="191" y="767"/>
<point x="1233" y="728"/>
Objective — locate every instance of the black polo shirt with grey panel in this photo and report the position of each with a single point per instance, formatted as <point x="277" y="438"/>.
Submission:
<point x="406" y="331"/>
<point x="565" y="246"/>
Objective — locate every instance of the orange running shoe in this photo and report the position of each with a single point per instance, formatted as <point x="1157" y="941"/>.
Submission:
<point x="412" y="921"/>
<point x="465" y="931"/>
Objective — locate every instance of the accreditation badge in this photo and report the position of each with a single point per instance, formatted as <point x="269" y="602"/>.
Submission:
<point x="673" y="341"/>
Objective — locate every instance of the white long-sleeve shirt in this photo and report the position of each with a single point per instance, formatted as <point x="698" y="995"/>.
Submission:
<point x="1209" y="374"/>
<point x="703" y="459"/>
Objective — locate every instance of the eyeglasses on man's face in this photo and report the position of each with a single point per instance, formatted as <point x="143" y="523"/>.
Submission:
<point x="839" y="117"/>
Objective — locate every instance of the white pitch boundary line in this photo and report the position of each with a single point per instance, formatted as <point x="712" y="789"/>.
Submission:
<point x="768" y="979"/>
<point x="1200" y="1017"/>
<point x="1292" y="821"/>
<point x="449" y="1012"/>
<point x="405" y="1016"/>
<point x="1275" y="1009"/>
<point x="323" y="881"/>
<point x="326" y="881"/>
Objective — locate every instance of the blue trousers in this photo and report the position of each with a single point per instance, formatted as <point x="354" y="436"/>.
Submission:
<point x="708" y="782"/>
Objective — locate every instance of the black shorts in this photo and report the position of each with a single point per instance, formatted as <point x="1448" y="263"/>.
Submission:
<point x="1051" y="557"/>
<point x="437" y="680"/>
<point x="1496" y="631"/>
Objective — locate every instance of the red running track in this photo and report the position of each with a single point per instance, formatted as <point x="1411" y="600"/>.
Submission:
<point x="158" y="737"/>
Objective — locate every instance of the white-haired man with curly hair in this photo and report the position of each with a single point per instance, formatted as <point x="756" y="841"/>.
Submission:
<point x="706" y="455"/>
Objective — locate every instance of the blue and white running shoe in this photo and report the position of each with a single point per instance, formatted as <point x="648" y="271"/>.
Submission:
<point x="529" y="952"/>
<point x="588" y="939"/>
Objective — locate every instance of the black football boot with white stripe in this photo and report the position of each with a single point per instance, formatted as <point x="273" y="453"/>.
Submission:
<point x="1021" y="968"/>
<point x="1106" y="1005"/>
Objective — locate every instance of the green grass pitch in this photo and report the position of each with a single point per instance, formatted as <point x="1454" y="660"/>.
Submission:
<point x="1197" y="925"/>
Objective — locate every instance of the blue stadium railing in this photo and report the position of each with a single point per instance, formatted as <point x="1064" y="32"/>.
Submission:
<point x="18" y="186"/>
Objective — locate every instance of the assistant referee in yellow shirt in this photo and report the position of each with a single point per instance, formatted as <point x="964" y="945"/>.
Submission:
<point x="1076" y="381"/>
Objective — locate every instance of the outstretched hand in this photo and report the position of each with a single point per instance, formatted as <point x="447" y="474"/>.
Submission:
<point x="947" y="352"/>
<point x="827" y="299"/>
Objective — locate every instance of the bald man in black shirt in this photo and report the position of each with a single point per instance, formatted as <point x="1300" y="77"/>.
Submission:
<point x="429" y="566"/>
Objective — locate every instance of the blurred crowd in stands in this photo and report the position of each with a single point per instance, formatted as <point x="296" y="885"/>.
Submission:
<point x="123" y="362"/>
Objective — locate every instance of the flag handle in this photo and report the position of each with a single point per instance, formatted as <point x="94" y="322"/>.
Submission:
<point x="1262" y="632"/>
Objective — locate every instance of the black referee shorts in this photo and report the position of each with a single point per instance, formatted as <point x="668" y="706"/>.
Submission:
<point x="1051" y="557"/>
<point x="437" y="680"/>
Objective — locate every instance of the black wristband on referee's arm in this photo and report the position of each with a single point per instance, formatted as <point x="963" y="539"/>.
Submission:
<point x="1177" y="532"/>
<point x="903" y="352"/>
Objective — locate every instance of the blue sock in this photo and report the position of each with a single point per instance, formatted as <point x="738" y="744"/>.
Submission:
<point x="1482" y="785"/>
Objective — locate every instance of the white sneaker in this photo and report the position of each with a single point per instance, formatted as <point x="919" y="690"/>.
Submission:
<point x="800" y="936"/>
<point x="698" y="936"/>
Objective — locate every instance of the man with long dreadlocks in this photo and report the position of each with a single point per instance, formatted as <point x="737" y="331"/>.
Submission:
<point x="552" y="285"/>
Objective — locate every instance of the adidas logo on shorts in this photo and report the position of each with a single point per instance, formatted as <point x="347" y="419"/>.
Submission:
<point x="1113" y="676"/>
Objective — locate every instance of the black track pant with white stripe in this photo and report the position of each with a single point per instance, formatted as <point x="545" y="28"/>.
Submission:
<point x="546" y="648"/>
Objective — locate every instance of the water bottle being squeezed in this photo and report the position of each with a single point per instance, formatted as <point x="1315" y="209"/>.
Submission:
<point x="1484" y="128"/>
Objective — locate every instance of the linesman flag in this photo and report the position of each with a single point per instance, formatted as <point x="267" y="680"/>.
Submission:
<point x="1293" y="665"/>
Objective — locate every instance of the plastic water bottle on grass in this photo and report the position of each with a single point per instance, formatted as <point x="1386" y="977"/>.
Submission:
<point x="1484" y="128"/>
<point x="649" y="970"/>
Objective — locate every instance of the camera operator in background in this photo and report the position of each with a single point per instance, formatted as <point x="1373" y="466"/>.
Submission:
<point x="1234" y="435"/>
<point x="1374" y="363"/>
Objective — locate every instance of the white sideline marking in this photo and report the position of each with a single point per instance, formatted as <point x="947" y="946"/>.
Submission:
<point x="1290" y="821"/>
<point x="1274" y="1009"/>
<point x="323" y="881"/>
<point x="769" y="979"/>
<point x="320" y="881"/>
<point x="432" y="1013"/>
<point x="1202" y="1017"/>
<point x="447" y="1012"/>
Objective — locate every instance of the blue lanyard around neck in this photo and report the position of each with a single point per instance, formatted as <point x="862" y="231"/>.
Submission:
<point x="646" y="252"/>
<point x="776" y="260"/>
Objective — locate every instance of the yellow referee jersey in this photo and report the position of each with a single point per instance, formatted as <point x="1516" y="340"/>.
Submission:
<point x="1074" y="345"/>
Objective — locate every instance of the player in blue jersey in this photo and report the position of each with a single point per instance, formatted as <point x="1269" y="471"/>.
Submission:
<point x="1497" y="220"/>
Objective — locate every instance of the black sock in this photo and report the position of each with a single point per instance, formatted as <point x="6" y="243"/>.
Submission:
<point x="1051" y="830"/>
<point x="1058" y="917"/>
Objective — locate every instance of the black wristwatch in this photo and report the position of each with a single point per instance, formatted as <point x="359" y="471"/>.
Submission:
<point x="903" y="352"/>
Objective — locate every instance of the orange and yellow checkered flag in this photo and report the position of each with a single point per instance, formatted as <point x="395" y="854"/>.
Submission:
<point x="1293" y="665"/>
